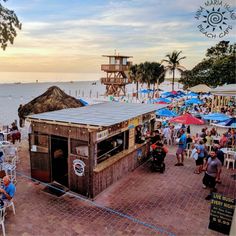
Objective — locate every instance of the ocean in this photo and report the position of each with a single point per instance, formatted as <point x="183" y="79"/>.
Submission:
<point x="23" y="88"/>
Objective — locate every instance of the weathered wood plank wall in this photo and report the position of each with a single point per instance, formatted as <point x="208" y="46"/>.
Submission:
<point x="111" y="174"/>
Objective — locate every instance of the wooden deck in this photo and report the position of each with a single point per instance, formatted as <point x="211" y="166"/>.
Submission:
<point x="118" y="81"/>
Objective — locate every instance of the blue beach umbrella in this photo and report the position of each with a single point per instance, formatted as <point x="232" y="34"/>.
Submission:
<point x="193" y="101"/>
<point x="181" y="93"/>
<point x="165" y="112"/>
<point x="146" y="91"/>
<point x="166" y="94"/>
<point x="192" y="94"/>
<point x="162" y="100"/>
<point x="230" y="123"/>
<point x="216" y="117"/>
<point x="171" y="96"/>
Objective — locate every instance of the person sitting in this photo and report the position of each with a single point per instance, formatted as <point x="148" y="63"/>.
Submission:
<point x="155" y="137"/>
<point x="213" y="132"/>
<point x="196" y="138"/>
<point x="231" y="138"/>
<point x="208" y="139"/>
<point x="203" y="134"/>
<point x="159" y="152"/>
<point x="8" y="190"/>
<point x="223" y="141"/>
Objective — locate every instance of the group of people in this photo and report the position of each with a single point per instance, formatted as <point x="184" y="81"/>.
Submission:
<point x="208" y="155"/>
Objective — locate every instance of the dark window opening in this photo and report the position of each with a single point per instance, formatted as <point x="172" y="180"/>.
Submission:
<point x="111" y="146"/>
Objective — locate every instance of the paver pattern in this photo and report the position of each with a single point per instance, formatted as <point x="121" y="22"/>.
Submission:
<point x="160" y="204"/>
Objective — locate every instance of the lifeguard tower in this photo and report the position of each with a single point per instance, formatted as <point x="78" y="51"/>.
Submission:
<point x="117" y="74"/>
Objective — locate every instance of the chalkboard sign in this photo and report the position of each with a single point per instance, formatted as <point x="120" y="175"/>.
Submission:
<point x="222" y="210"/>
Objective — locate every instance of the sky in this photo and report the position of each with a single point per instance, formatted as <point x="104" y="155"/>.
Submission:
<point x="71" y="35"/>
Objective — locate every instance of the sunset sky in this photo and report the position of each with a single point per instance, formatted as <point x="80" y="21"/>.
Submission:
<point x="71" y="35"/>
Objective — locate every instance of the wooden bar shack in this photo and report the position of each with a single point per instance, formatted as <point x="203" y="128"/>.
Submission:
<point x="89" y="148"/>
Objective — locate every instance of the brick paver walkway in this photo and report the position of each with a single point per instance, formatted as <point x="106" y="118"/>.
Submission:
<point x="173" y="202"/>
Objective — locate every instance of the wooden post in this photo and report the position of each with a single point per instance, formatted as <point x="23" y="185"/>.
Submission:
<point x="76" y="94"/>
<point x="92" y="141"/>
<point x="69" y="161"/>
<point x="83" y="93"/>
<point x="212" y="103"/>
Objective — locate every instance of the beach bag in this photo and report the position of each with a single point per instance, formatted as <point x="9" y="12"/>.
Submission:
<point x="194" y="154"/>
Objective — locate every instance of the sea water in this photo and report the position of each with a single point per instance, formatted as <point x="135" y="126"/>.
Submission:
<point x="18" y="88"/>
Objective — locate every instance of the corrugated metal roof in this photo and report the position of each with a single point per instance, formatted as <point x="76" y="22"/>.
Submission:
<point x="103" y="114"/>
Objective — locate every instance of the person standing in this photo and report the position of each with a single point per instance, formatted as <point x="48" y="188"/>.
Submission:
<point x="220" y="155"/>
<point x="200" y="160"/>
<point x="167" y="134"/>
<point x="181" y="148"/>
<point x="188" y="129"/>
<point x="213" y="168"/>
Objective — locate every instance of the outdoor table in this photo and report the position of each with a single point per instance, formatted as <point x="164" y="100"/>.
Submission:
<point x="4" y="143"/>
<point x="224" y="150"/>
<point x="227" y="150"/>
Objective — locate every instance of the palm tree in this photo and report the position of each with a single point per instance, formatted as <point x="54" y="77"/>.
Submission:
<point x="134" y="75"/>
<point x="152" y="73"/>
<point x="174" y="64"/>
<point x="158" y="75"/>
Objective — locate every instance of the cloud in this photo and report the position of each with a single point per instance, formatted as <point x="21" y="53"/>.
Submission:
<point x="72" y="36"/>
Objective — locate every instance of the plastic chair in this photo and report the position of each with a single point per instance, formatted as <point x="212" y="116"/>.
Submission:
<point x="10" y="151"/>
<point x="2" y="219"/>
<point x="10" y="169"/>
<point x="11" y="204"/>
<point x="209" y="147"/>
<point x="230" y="159"/>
